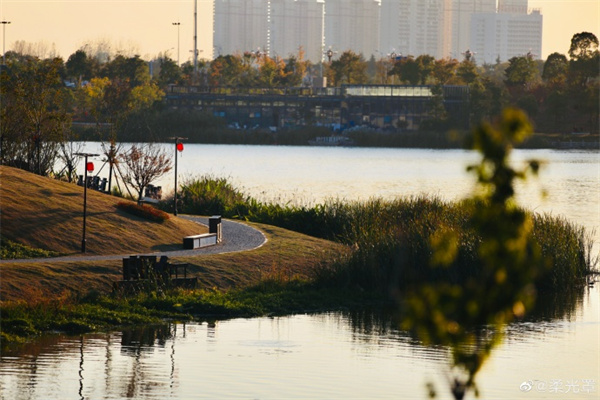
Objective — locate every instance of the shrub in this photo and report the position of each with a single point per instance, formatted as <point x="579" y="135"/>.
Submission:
<point x="143" y="211"/>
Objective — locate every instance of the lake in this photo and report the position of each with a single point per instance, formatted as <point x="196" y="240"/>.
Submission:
<point x="554" y="354"/>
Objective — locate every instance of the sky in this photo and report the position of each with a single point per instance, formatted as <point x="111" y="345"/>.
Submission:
<point x="145" y="27"/>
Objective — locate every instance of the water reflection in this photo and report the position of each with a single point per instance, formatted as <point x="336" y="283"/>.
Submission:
<point x="332" y="355"/>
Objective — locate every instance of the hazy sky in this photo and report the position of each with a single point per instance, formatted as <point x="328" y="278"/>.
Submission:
<point x="145" y="27"/>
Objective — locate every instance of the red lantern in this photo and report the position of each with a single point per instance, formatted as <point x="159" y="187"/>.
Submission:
<point x="89" y="166"/>
<point x="179" y="146"/>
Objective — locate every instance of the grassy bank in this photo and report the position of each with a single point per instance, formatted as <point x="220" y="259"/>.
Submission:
<point x="321" y="257"/>
<point x="392" y="239"/>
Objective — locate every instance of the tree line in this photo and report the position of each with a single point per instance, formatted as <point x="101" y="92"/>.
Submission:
<point x="121" y="97"/>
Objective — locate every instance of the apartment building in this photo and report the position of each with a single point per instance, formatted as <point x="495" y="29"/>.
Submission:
<point x="353" y="25"/>
<point x="295" y="24"/>
<point x="441" y="28"/>
<point x="460" y="14"/>
<point x="240" y="26"/>
<point x="504" y="35"/>
<point x="415" y="27"/>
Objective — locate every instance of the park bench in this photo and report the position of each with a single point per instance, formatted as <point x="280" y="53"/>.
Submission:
<point x="212" y="238"/>
<point x="140" y="270"/>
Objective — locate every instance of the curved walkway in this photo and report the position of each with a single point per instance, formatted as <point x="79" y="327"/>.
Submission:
<point x="236" y="237"/>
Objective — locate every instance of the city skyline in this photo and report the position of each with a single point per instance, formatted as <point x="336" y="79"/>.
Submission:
<point x="146" y="27"/>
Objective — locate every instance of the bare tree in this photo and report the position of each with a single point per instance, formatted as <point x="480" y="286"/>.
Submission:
<point x="144" y="163"/>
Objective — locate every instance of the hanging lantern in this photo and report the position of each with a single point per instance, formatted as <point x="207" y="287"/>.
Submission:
<point x="179" y="146"/>
<point x="89" y="167"/>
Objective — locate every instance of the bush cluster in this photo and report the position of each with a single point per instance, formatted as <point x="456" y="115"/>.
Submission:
<point x="140" y="210"/>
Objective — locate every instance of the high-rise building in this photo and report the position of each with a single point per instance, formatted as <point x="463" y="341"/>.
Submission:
<point x="512" y="6"/>
<point x="295" y="24"/>
<point x="460" y="14"/>
<point x="353" y="25"/>
<point x="240" y="26"/>
<point x="416" y="27"/>
<point x="501" y="36"/>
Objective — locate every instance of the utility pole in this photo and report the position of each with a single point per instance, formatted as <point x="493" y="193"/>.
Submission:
<point x="178" y="148"/>
<point x="4" y="23"/>
<point x="88" y="167"/>
<point x="177" y="24"/>
<point x="195" y="37"/>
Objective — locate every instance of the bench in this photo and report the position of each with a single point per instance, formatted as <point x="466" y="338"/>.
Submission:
<point x="198" y="241"/>
<point x="144" y="269"/>
<point x="212" y="238"/>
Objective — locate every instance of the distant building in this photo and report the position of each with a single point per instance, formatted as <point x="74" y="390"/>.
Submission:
<point x="295" y="24"/>
<point x="440" y="28"/>
<point x="512" y="6"/>
<point x="460" y="14"/>
<point x="240" y="26"/>
<point x="416" y="27"/>
<point x="501" y="36"/>
<point x="353" y="25"/>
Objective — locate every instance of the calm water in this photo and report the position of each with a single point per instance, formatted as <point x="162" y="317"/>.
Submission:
<point x="555" y="354"/>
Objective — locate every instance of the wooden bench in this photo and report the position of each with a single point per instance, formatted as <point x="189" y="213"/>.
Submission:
<point x="144" y="269"/>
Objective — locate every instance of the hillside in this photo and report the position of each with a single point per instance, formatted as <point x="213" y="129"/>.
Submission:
<point x="45" y="213"/>
<point x="48" y="214"/>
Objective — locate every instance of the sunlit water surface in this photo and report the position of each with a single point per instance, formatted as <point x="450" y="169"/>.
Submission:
<point x="555" y="355"/>
<point x="322" y="356"/>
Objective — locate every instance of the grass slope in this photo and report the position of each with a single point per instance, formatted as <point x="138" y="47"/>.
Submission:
<point x="286" y="254"/>
<point x="48" y="214"/>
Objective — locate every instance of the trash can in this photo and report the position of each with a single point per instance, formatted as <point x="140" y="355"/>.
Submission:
<point x="214" y="226"/>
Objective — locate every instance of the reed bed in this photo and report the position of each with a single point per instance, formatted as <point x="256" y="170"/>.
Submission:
<point x="392" y="239"/>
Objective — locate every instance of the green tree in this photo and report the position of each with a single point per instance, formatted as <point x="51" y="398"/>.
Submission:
<point x="583" y="45"/>
<point x="521" y="71"/>
<point x="349" y="68"/>
<point x="133" y="70"/>
<point x="555" y="69"/>
<point x="470" y="317"/>
<point x="407" y="70"/>
<point x="80" y="67"/>
<point x="169" y="73"/>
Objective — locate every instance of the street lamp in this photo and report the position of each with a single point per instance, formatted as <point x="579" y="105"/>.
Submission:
<point x="88" y="167"/>
<point x="178" y="148"/>
<point x="4" y="23"/>
<point x="177" y="24"/>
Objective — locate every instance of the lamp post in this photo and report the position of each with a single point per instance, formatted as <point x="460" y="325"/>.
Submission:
<point x="4" y="23"/>
<point x="178" y="148"/>
<point x="88" y="167"/>
<point x="177" y="24"/>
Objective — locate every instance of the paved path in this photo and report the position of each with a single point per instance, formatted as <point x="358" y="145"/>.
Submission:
<point x="236" y="237"/>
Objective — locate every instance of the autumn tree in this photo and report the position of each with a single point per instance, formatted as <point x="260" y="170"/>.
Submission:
<point x="467" y="72"/>
<point x="426" y="65"/>
<point x="444" y="70"/>
<point x="34" y="114"/>
<point x="143" y="164"/>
